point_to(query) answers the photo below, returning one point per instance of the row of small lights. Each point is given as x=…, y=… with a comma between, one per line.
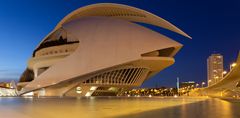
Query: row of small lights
x=203, y=83
x=152, y=90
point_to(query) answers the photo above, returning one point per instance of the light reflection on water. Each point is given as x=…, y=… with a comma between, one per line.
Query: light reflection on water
x=119, y=107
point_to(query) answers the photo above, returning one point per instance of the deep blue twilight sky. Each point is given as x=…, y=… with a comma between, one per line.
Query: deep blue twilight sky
x=213, y=24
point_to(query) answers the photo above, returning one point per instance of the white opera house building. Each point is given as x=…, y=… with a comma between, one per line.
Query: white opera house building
x=98, y=50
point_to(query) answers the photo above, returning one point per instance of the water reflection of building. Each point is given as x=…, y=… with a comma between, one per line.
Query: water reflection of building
x=99, y=50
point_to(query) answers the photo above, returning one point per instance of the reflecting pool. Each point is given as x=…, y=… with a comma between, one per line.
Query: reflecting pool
x=119, y=107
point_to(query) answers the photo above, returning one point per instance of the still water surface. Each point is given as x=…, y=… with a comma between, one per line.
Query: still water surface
x=119, y=107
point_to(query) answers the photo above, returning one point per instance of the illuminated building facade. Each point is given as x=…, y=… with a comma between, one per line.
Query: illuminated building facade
x=214, y=68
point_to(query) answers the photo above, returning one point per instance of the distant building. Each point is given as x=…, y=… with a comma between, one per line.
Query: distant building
x=187, y=84
x=214, y=68
x=4, y=85
x=8, y=89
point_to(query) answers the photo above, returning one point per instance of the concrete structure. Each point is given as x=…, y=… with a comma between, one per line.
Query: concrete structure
x=229, y=86
x=214, y=68
x=99, y=50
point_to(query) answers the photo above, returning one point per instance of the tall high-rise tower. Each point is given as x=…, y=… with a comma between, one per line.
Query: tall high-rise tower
x=215, y=68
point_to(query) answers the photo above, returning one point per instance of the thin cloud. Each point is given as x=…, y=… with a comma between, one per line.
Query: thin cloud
x=3, y=70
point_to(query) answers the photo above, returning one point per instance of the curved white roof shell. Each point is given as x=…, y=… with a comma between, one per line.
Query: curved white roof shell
x=121, y=12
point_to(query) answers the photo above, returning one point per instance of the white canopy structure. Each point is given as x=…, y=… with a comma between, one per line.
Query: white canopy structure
x=99, y=50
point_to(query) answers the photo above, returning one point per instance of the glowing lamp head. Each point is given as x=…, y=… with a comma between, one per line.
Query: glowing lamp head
x=233, y=64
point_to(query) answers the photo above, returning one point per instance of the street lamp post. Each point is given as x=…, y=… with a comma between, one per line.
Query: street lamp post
x=209, y=81
x=233, y=65
x=197, y=85
x=203, y=84
x=192, y=86
x=224, y=73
